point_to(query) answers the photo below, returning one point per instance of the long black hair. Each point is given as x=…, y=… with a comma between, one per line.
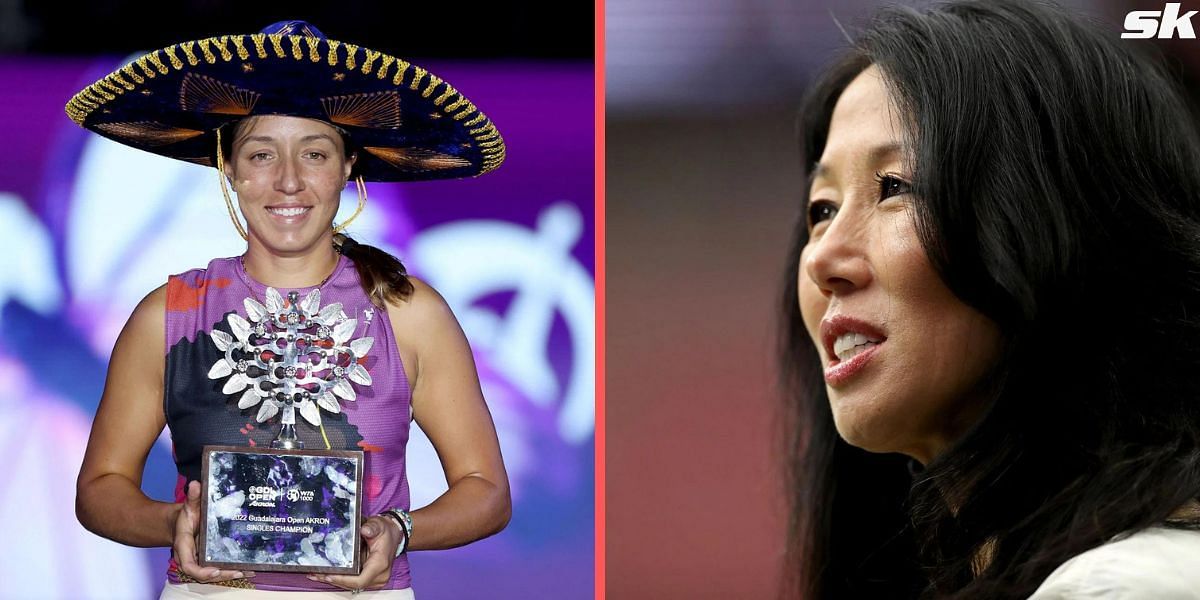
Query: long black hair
x=382, y=276
x=1057, y=185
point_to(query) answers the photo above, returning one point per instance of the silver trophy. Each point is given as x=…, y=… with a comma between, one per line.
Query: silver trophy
x=286, y=508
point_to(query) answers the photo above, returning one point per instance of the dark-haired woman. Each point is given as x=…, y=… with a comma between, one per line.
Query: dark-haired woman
x=993, y=316
x=333, y=336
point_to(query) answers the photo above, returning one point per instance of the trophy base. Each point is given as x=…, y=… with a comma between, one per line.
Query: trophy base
x=281, y=509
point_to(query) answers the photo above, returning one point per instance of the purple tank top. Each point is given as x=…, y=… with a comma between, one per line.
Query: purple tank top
x=200, y=301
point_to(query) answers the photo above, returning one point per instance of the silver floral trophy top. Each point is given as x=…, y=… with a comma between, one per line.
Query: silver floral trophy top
x=291, y=356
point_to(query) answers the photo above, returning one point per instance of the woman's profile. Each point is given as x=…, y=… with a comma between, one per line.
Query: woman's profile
x=992, y=315
x=308, y=327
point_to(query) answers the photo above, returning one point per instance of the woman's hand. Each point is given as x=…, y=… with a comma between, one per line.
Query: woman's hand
x=184, y=548
x=382, y=535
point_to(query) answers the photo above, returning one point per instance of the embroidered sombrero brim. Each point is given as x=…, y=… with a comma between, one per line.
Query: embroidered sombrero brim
x=407, y=123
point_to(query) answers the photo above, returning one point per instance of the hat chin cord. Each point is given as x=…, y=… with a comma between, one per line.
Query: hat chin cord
x=358, y=181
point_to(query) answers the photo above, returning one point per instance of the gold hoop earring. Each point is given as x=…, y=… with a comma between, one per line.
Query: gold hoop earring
x=225, y=189
x=362, y=201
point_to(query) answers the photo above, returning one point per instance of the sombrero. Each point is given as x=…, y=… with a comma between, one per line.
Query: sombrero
x=407, y=123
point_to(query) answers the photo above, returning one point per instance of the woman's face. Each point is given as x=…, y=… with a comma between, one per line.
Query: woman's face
x=903, y=357
x=288, y=173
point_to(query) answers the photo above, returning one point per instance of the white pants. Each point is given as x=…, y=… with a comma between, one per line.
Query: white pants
x=207, y=591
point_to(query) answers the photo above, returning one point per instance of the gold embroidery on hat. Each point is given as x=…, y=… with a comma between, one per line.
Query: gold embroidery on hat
x=490, y=144
x=175, y=62
x=333, y=46
x=401, y=68
x=417, y=159
x=387, y=62
x=465, y=112
x=147, y=71
x=490, y=164
x=351, y=50
x=222, y=45
x=372, y=56
x=117, y=78
x=78, y=107
x=376, y=109
x=82, y=104
x=277, y=45
x=312, y=48
x=189, y=51
x=239, y=43
x=128, y=70
x=434, y=81
x=158, y=63
x=440, y=100
x=297, y=53
x=149, y=133
x=205, y=94
x=151, y=58
x=418, y=73
x=116, y=89
x=209, y=57
x=100, y=93
x=258, y=39
x=453, y=106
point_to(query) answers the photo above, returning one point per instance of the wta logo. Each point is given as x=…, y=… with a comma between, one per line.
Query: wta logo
x=1166, y=23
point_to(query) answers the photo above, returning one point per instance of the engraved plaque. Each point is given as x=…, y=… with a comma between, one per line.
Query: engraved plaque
x=281, y=510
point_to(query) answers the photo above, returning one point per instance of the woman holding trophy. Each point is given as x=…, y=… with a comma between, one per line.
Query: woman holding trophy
x=309, y=343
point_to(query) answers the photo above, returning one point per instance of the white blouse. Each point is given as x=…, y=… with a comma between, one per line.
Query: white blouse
x=1153, y=564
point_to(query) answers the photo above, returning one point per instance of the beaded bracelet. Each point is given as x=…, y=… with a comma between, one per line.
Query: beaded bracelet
x=405, y=521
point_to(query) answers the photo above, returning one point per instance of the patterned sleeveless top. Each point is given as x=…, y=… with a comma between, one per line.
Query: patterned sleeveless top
x=201, y=304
